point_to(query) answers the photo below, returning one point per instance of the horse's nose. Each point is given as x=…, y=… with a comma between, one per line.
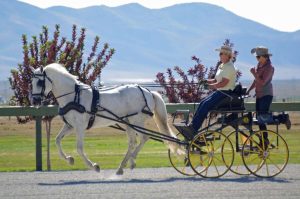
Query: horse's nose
x=36, y=100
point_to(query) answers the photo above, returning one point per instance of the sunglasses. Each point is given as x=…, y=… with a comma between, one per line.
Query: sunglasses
x=258, y=57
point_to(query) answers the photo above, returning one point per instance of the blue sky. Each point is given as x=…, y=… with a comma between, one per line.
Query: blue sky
x=279, y=14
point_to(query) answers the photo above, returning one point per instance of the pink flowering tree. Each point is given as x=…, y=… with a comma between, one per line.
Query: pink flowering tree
x=189, y=86
x=43, y=50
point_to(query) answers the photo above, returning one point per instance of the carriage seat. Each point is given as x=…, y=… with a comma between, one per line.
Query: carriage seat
x=234, y=102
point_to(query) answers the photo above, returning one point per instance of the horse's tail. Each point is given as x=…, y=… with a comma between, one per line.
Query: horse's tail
x=161, y=119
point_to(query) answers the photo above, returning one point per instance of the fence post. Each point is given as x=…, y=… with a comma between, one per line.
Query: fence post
x=38, y=134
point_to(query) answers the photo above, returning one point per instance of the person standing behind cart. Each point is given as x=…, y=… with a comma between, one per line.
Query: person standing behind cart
x=263, y=75
x=223, y=84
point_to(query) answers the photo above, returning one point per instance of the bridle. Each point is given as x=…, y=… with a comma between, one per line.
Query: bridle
x=41, y=83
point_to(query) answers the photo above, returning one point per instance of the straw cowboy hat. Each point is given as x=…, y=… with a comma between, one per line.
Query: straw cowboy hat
x=260, y=51
x=225, y=49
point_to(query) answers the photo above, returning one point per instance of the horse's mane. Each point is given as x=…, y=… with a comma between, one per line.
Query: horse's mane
x=58, y=68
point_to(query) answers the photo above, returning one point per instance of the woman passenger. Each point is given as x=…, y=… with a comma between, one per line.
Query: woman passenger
x=223, y=84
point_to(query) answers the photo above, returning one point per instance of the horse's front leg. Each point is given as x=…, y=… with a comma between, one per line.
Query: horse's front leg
x=131, y=144
x=143, y=140
x=66, y=130
x=89, y=163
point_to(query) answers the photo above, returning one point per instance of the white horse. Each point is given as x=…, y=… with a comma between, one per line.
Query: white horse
x=122, y=101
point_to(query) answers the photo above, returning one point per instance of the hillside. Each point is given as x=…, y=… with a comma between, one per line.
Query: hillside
x=148, y=41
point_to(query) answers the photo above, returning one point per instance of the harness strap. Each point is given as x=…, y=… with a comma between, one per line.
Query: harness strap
x=95, y=100
x=75, y=105
x=115, y=115
x=117, y=126
x=77, y=93
x=94, y=109
x=145, y=111
x=71, y=106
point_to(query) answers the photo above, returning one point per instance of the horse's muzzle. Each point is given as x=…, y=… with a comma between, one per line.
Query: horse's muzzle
x=36, y=100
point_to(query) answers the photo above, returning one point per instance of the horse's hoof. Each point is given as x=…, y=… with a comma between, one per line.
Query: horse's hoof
x=70, y=160
x=120, y=172
x=96, y=167
x=132, y=165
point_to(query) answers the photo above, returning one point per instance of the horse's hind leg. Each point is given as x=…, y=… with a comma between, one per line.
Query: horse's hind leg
x=66, y=130
x=131, y=144
x=89, y=163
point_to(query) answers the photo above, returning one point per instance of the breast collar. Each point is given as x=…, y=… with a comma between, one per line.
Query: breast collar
x=75, y=105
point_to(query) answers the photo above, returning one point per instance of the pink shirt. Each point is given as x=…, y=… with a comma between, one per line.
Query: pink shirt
x=264, y=86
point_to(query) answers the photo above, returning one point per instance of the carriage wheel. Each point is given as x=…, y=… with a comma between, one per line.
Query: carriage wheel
x=238, y=165
x=262, y=159
x=181, y=162
x=211, y=154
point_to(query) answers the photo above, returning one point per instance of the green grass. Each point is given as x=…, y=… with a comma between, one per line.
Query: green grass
x=18, y=153
x=104, y=146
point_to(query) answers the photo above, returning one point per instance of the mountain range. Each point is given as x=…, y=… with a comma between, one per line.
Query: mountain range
x=148, y=41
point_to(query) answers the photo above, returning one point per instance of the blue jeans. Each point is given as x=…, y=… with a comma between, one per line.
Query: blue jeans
x=262, y=107
x=206, y=105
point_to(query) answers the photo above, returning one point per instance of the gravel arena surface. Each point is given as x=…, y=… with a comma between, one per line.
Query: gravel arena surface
x=146, y=183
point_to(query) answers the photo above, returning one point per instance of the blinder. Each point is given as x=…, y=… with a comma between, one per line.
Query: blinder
x=40, y=83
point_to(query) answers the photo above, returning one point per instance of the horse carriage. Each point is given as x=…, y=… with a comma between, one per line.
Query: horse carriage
x=214, y=151
x=210, y=153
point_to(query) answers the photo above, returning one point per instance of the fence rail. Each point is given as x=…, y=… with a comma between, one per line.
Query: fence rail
x=39, y=112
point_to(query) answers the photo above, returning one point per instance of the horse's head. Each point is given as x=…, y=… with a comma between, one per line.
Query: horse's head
x=41, y=85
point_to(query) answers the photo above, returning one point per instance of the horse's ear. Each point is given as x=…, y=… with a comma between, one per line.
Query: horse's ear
x=42, y=69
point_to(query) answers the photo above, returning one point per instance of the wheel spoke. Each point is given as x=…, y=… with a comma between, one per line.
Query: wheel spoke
x=236, y=168
x=251, y=152
x=206, y=143
x=215, y=167
x=194, y=144
x=206, y=170
x=255, y=158
x=215, y=148
x=186, y=162
x=274, y=164
x=259, y=166
x=215, y=157
x=257, y=144
x=183, y=169
x=201, y=162
x=268, y=173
